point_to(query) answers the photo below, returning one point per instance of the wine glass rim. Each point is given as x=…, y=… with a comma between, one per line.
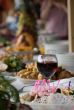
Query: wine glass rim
x=50, y=55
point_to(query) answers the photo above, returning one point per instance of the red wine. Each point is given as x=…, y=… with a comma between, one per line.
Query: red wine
x=48, y=68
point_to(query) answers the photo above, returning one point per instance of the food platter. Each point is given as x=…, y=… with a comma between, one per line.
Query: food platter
x=24, y=81
x=37, y=106
x=52, y=106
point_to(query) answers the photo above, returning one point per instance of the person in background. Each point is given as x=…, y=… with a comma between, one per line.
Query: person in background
x=17, y=3
x=26, y=33
x=12, y=21
x=53, y=17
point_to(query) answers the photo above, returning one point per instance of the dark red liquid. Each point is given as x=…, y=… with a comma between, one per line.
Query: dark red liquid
x=48, y=68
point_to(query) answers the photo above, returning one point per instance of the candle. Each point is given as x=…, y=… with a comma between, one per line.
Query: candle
x=69, y=85
x=53, y=89
x=35, y=88
x=58, y=82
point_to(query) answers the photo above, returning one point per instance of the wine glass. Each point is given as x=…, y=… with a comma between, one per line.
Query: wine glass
x=47, y=65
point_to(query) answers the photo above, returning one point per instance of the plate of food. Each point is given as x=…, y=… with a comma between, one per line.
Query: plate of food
x=31, y=73
x=14, y=63
x=48, y=94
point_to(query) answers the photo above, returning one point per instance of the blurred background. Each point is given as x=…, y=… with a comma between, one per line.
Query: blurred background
x=33, y=24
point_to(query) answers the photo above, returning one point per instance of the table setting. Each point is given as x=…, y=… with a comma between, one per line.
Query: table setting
x=35, y=86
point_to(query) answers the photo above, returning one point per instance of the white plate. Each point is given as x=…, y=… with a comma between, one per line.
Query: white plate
x=27, y=81
x=5, y=73
x=20, y=83
x=38, y=106
x=27, y=88
x=10, y=78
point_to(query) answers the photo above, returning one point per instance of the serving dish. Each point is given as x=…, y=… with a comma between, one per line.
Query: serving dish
x=61, y=101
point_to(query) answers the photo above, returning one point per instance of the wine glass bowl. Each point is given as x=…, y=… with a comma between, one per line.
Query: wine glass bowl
x=47, y=65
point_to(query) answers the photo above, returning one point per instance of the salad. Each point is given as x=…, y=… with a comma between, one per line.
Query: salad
x=14, y=64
